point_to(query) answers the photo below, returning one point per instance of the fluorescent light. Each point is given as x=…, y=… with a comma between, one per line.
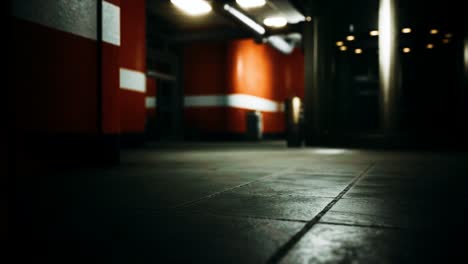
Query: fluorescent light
x=433, y=31
x=406, y=30
x=358, y=51
x=339, y=43
x=406, y=50
x=430, y=46
x=350, y=38
x=281, y=44
x=245, y=19
x=193, y=7
x=374, y=33
x=275, y=22
x=251, y=3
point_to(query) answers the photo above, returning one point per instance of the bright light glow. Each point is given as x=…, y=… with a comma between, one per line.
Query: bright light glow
x=308, y=18
x=406, y=50
x=448, y=35
x=430, y=46
x=434, y=31
x=339, y=43
x=328, y=151
x=275, y=22
x=193, y=7
x=245, y=19
x=343, y=48
x=296, y=107
x=350, y=38
x=374, y=33
x=406, y=30
x=358, y=51
x=251, y=3
x=446, y=41
x=386, y=47
x=281, y=44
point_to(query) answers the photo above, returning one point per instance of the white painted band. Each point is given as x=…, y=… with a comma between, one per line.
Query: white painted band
x=132, y=80
x=77, y=17
x=234, y=100
x=150, y=102
x=110, y=23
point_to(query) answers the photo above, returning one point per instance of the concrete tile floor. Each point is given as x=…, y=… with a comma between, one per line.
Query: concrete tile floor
x=249, y=203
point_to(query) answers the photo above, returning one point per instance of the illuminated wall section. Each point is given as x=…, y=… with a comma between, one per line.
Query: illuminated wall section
x=132, y=70
x=223, y=81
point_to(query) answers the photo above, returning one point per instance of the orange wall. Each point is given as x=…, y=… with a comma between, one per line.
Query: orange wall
x=133, y=57
x=239, y=67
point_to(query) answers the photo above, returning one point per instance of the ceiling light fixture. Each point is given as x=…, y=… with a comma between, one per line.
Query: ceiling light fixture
x=308, y=18
x=343, y=48
x=245, y=19
x=251, y=3
x=374, y=33
x=276, y=22
x=448, y=35
x=194, y=7
x=430, y=46
x=350, y=38
x=446, y=41
x=434, y=31
x=339, y=43
x=406, y=50
x=406, y=30
x=358, y=51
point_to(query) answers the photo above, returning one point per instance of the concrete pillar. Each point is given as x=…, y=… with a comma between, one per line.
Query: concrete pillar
x=389, y=68
x=317, y=67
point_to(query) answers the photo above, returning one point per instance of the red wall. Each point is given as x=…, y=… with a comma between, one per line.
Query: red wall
x=239, y=67
x=133, y=57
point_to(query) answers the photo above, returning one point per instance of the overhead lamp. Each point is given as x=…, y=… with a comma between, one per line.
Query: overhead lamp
x=193, y=7
x=434, y=31
x=245, y=19
x=446, y=41
x=276, y=22
x=339, y=43
x=308, y=18
x=358, y=51
x=251, y=3
x=430, y=46
x=406, y=30
x=374, y=33
x=343, y=48
x=406, y=50
x=448, y=35
x=350, y=38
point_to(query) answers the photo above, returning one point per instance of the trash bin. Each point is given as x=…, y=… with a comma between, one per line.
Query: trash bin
x=293, y=111
x=254, y=125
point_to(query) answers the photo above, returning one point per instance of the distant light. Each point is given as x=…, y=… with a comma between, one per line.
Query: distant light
x=434, y=31
x=276, y=22
x=251, y=3
x=350, y=38
x=245, y=19
x=448, y=35
x=296, y=107
x=308, y=18
x=194, y=7
x=446, y=41
x=339, y=43
x=406, y=30
x=406, y=50
x=430, y=46
x=343, y=48
x=327, y=151
x=374, y=33
x=358, y=51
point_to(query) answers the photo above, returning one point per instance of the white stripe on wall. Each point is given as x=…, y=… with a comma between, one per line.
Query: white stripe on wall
x=77, y=17
x=150, y=102
x=234, y=100
x=110, y=23
x=132, y=80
